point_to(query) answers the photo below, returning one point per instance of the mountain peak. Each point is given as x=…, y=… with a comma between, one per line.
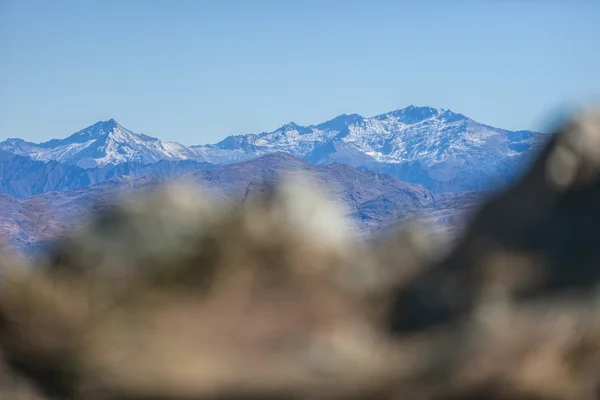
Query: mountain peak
x=103, y=143
x=451, y=116
x=413, y=109
x=112, y=122
x=412, y=114
x=292, y=126
x=345, y=118
x=341, y=123
x=100, y=128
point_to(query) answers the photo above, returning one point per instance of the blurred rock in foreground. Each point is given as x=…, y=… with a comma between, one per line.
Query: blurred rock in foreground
x=172, y=295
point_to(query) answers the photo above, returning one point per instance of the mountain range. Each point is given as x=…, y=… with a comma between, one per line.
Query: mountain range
x=439, y=149
x=421, y=163
x=21, y=176
x=101, y=144
x=373, y=201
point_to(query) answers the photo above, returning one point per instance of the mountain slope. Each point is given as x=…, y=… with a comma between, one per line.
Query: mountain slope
x=29, y=221
x=344, y=183
x=440, y=149
x=22, y=177
x=101, y=144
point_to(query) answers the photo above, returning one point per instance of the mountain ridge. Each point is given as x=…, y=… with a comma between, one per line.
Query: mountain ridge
x=438, y=148
x=101, y=144
x=22, y=177
x=44, y=217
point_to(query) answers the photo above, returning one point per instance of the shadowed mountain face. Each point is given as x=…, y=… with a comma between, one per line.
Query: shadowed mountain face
x=439, y=149
x=372, y=200
x=23, y=177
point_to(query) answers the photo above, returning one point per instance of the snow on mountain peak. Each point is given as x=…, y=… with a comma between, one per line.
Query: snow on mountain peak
x=103, y=143
x=412, y=114
x=100, y=128
x=419, y=144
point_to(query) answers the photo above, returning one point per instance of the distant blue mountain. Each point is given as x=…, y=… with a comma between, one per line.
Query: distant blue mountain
x=439, y=149
x=371, y=200
x=104, y=143
x=23, y=177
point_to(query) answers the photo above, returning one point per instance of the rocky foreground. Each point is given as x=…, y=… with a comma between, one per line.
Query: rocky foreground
x=172, y=296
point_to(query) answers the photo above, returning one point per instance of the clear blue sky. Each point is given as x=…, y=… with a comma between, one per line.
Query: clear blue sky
x=197, y=71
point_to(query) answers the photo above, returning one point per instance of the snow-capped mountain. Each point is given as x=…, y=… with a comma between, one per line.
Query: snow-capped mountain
x=440, y=149
x=102, y=144
x=422, y=134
